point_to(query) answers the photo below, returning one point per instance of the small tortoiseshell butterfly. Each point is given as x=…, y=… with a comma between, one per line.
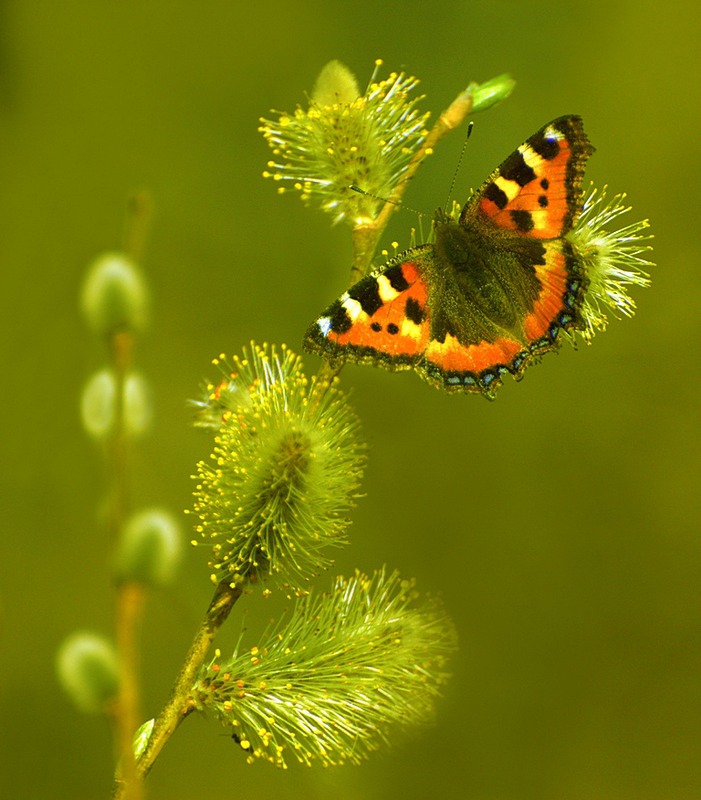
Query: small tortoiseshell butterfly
x=493, y=291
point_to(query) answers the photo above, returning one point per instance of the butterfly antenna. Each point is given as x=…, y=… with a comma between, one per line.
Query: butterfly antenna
x=397, y=203
x=420, y=214
x=459, y=164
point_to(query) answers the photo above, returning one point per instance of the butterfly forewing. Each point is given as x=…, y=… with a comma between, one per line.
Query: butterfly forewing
x=383, y=317
x=536, y=190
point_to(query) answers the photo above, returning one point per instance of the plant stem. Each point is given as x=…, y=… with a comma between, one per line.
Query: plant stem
x=130, y=600
x=180, y=703
x=365, y=237
x=128, y=603
x=138, y=221
x=130, y=597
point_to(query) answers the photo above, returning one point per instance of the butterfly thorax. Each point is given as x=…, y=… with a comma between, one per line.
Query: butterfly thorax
x=479, y=281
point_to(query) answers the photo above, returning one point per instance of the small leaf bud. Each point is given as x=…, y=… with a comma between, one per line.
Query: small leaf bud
x=488, y=94
x=335, y=84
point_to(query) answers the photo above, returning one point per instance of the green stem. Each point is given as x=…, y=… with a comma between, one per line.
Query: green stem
x=127, y=604
x=129, y=599
x=139, y=214
x=180, y=704
x=365, y=237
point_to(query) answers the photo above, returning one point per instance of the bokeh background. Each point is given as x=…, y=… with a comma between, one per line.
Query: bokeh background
x=560, y=524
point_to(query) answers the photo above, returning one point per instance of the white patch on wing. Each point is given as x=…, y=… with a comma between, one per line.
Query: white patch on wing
x=385, y=289
x=532, y=159
x=554, y=135
x=353, y=308
x=510, y=188
x=324, y=324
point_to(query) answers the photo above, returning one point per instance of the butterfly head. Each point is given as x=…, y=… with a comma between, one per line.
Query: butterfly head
x=441, y=217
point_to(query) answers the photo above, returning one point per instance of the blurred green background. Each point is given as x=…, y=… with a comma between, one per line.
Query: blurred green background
x=560, y=523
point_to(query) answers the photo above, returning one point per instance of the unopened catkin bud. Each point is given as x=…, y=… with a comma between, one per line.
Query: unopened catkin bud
x=114, y=297
x=149, y=548
x=98, y=405
x=86, y=664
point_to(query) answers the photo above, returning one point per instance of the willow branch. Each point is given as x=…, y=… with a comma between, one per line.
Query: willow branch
x=129, y=599
x=180, y=705
x=366, y=236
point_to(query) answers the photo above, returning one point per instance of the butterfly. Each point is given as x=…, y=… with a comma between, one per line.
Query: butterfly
x=493, y=291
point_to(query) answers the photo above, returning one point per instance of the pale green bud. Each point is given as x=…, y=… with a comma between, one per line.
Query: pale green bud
x=150, y=548
x=488, y=94
x=142, y=737
x=335, y=84
x=114, y=296
x=99, y=400
x=86, y=664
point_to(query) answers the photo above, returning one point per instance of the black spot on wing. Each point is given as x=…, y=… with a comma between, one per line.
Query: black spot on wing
x=545, y=146
x=414, y=312
x=523, y=220
x=543, y=201
x=340, y=321
x=392, y=328
x=367, y=293
x=496, y=195
x=515, y=169
x=395, y=276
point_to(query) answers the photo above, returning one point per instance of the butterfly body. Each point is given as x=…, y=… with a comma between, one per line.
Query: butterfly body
x=493, y=290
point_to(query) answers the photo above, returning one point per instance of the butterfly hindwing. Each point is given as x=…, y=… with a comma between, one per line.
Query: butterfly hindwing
x=478, y=364
x=562, y=285
x=536, y=190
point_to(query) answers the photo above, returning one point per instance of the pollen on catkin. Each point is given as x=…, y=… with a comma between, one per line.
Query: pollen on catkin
x=284, y=472
x=330, y=682
x=346, y=139
x=613, y=260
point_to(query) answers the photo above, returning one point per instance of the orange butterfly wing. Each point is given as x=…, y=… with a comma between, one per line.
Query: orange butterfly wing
x=536, y=191
x=382, y=318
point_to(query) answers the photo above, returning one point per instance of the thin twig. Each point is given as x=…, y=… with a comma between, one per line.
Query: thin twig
x=179, y=704
x=129, y=598
x=365, y=237
x=137, y=224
